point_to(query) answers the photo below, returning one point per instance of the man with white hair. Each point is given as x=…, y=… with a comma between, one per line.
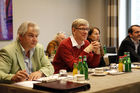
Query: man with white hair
x=53, y=45
x=76, y=45
x=24, y=59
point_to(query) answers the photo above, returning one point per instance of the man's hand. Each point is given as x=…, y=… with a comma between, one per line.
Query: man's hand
x=20, y=76
x=35, y=75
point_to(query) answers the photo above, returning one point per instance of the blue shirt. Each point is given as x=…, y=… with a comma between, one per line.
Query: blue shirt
x=27, y=60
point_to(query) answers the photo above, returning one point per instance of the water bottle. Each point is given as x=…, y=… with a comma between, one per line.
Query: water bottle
x=85, y=67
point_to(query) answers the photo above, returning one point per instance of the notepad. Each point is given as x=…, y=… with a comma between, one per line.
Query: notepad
x=62, y=86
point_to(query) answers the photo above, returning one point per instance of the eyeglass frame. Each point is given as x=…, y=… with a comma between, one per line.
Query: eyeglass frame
x=83, y=29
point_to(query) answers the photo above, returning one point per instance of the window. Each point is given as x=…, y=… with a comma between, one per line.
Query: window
x=135, y=13
x=122, y=20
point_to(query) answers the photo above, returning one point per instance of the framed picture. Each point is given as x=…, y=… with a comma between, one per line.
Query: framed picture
x=6, y=20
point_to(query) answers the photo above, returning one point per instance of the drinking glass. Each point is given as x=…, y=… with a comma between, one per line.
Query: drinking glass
x=113, y=66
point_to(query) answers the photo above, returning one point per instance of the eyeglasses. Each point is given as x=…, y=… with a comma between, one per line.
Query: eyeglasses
x=83, y=29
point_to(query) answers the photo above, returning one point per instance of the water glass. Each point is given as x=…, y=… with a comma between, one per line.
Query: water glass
x=113, y=66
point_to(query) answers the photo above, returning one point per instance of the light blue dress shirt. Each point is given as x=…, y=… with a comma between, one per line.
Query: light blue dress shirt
x=27, y=60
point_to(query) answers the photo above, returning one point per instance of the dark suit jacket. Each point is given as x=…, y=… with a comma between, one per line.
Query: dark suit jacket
x=128, y=46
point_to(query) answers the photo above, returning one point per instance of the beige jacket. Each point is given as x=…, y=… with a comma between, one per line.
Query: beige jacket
x=11, y=61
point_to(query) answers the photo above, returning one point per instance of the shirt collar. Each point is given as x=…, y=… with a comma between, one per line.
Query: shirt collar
x=31, y=51
x=135, y=41
x=74, y=43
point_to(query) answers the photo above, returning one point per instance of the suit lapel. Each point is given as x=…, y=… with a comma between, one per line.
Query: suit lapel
x=139, y=49
x=20, y=57
x=132, y=43
x=33, y=63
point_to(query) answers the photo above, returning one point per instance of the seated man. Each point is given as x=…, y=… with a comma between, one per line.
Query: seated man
x=53, y=45
x=131, y=44
x=71, y=48
x=24, y=59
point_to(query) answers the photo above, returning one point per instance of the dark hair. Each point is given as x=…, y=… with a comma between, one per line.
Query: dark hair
x=92, y=29
x=90, y=32
x=130, y=30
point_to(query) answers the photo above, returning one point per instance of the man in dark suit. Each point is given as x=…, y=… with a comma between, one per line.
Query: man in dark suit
x=131, y=44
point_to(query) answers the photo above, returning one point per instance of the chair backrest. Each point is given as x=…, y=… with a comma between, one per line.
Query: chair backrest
x=113, y=58
x=111, y=49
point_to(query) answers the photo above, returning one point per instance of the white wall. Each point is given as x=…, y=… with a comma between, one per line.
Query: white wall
x=56, y=15
x=97, y=17
x=51, y=15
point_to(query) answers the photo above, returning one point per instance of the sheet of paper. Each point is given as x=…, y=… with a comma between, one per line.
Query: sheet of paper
x=43, y=79
x=30, y=83
x=27, y=83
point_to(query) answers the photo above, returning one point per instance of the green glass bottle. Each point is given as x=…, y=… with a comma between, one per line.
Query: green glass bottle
x=129, y=62
x=55, y=49
x=125, y=63
x=105, y=50
x=85, y=67
x=80, y=65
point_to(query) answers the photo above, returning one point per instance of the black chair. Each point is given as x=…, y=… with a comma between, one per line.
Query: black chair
x=111, y=49
x=112, y=58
